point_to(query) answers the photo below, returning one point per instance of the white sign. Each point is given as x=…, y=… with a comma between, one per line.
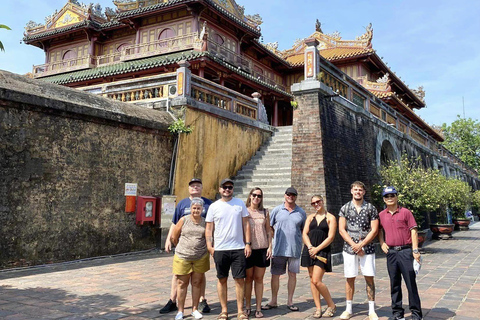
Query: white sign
x=131, y=189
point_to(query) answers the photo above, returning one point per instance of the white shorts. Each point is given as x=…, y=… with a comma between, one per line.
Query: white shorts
x=352, y=261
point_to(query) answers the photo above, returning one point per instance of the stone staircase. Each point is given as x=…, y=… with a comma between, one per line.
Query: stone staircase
x=269, y=169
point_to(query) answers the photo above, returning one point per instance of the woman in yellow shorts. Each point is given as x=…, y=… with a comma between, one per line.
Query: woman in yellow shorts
x=191, y=258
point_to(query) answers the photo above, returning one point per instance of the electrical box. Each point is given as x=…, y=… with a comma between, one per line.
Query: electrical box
x=147, y=209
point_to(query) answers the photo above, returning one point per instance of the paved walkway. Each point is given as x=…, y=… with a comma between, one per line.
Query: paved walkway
x=136, y=286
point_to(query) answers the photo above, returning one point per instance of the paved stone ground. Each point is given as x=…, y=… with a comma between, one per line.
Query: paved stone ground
x=136, y=286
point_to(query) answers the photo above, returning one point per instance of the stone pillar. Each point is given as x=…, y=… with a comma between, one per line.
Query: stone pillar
x=312, y=59
x=261, y=112
x=183, y=79
x=308, y=167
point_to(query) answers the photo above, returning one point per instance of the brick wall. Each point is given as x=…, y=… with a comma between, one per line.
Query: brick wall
x=64, y=159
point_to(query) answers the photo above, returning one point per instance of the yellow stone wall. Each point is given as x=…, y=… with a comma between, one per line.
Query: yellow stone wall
x=216, y=149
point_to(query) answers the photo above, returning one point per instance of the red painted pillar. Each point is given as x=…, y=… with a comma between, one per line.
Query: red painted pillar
x=275, y=114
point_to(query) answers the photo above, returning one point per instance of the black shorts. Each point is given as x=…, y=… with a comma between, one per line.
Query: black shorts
x=230, y=258
x=258, y=258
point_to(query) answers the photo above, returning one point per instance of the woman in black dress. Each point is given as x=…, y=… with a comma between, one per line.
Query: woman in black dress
x=318, y=234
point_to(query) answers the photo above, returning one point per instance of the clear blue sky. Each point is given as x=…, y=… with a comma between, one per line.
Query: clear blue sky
x=430, y=43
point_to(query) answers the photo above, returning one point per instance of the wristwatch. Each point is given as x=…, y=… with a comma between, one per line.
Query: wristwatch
x=415, y=250
x=249, y=243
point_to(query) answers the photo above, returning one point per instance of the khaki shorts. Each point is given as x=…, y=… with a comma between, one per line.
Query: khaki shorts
x=183, y=267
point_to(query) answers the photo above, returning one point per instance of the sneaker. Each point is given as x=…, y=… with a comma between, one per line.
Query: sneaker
x=179, y=316
x=373, y=316
x=203, y=306
x=169, y=307
x=197, y=315
x=345, y=315
x=396, y=318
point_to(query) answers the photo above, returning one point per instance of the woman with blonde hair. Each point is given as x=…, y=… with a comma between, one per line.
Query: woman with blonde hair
x=259, y=220
x=191, y=258
x=318, y=234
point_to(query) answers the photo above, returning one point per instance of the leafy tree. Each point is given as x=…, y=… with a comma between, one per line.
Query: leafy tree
x=462, y=138
x=2, y=26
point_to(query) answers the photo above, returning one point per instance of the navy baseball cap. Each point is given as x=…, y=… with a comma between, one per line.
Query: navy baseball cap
x=226, y=181
x=291, y=190
x=195, y=180
x=389, y=190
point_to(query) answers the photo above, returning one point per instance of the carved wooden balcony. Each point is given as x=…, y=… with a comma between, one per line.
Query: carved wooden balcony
x=63, y=66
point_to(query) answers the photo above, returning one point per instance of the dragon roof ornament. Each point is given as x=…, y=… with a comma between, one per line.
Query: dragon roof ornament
x=420, y=93
x=368, y=35
x=73, y=12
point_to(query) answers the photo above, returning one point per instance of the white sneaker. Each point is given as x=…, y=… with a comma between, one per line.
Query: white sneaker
x=372, y=316
x=345, y=315
x=179, y=316
x=197, y=315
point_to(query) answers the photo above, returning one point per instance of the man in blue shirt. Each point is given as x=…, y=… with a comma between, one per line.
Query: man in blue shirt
x=287, y=221
x=183, y=208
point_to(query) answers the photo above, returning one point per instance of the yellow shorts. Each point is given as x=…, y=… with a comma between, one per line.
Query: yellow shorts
x=184, y=267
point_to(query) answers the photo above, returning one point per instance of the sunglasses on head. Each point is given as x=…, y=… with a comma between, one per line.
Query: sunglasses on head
x=227, y=187
x=316, y=203
x=391, y=195
x=256, y=195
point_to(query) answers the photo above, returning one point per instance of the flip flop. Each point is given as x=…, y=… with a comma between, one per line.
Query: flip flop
x=268, y=307
x=222, y=316
x=293, y=307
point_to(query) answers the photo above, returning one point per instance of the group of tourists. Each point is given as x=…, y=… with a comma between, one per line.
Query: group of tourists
x=244, y=238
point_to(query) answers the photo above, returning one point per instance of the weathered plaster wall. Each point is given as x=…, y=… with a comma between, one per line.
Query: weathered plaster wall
x=216, y=149
x=64, y=158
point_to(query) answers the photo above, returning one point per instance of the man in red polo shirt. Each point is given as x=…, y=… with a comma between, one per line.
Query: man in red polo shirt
x=399, y=240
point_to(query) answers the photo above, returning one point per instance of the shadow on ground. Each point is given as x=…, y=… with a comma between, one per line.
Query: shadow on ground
x=42, y=303
x=79, y=264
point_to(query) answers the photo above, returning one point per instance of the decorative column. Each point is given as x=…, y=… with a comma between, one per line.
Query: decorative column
x=183, y=79
x=261, y=112
x=312, y=59
x=308, y=165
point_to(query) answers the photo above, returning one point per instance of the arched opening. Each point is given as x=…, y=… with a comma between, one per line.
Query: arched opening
x=119, y=50
x=69, y=58
x=387, y=153
x=164, y=36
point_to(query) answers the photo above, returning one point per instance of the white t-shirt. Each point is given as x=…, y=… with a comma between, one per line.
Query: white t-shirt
x=227, y=219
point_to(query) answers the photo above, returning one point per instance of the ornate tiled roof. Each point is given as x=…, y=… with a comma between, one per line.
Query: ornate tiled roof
x=149, y=63
x=332, y=54
x=75, y=16
x=123, y=67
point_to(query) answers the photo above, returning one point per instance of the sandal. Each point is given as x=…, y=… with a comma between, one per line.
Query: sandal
x=330, y=312
x=242, y=316
x=268, y=307
x=293, y=307
x=248, y=311
x=222, y=316
x=258, y=314
x=317, y=314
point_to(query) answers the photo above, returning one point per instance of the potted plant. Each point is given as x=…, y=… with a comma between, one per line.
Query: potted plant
x=458, y=196
x=416, y=189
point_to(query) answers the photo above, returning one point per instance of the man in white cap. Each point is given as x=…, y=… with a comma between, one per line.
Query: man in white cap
x=399, y=240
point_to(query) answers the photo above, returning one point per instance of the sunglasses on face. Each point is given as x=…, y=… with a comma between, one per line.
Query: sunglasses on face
x=227, y=187
x=291, y=194
x=256, y=195
x=391, y=195
x=316, y=203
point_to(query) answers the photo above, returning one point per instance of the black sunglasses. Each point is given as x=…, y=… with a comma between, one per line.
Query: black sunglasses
x=316, y=203
x=227, y=187
x=291, y=194
x=391, y=195
x=255, y=195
